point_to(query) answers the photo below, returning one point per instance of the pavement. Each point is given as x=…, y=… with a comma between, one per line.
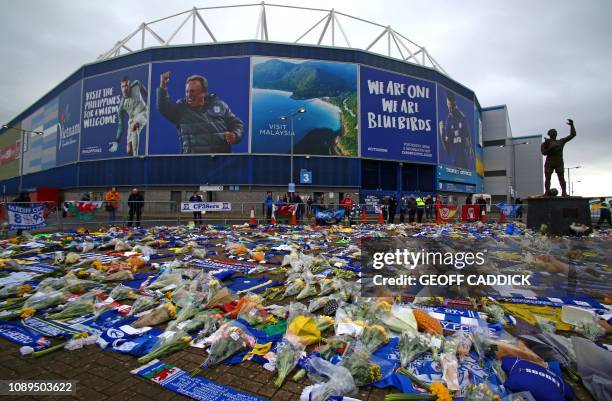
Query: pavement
x=102, y=375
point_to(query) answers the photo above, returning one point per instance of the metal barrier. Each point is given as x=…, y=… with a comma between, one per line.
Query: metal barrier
x=76, y=214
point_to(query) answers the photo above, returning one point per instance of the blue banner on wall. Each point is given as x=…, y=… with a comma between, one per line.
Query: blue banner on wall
x=200, y=103
x=398, y=117
x=456, y=130
x=69, y=125
x=115, y=114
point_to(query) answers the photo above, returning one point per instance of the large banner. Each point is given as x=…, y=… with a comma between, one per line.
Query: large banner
x=328, y=93
x=456, y=130
x=200, y=107
x=115, y=114
x=398, y=115
x=69, y=125
x=25, y=217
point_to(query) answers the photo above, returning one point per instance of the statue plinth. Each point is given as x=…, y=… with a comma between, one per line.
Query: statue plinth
x=558, y=213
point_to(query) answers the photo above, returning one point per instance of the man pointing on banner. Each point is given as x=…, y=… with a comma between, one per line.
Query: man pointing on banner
x=205, y=123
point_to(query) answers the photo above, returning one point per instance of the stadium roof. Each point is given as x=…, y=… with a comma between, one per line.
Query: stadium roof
x=323, y=27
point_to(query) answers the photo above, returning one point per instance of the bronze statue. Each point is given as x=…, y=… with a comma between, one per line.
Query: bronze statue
x=552, y=148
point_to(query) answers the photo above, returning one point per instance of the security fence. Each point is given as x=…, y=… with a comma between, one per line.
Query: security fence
x=49, y=216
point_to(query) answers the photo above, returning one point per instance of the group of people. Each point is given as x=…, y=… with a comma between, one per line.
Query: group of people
x=302, y=207
x=112, y=200
x=415, y=206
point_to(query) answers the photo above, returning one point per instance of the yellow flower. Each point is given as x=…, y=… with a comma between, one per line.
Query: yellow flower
x=27, y=312
x=382, y=331
x=384, y=305
x=24, y=289
x=439, y=390
x=171, y=310
x=169, y=295
x=375, y=373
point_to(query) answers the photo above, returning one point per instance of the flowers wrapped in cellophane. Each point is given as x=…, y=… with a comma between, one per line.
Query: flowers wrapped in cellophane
x=362, y=368
x=228, y=340
x=159, y=315
x=167, y=344
x=479, y=392
x=411, y=345
x=81, y=306
x=142, y=304
x=288, y=353
x=339, y=382
x=373, y=337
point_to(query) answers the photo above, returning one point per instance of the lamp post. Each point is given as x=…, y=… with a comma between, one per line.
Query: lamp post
x=21, y=150
x=512, y=145
x=569, y=180
x=291, y=117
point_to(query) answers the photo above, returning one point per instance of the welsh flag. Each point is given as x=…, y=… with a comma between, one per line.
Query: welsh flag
x=84, y=210
x=446, y=212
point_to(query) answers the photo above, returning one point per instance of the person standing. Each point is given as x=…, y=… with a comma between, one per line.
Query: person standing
x=299, y=207
x=347, y=204
x=604, y=213
x=197, y=215
x=412, y=208
x=392, y=209
x=112, y=199
x=309, y=206
x=268, y=202
x=429, y=207
x=468, y=199
x=483, y=205
x=519, y=208
x=420, y=208
x=403, y=207
x=135, y=204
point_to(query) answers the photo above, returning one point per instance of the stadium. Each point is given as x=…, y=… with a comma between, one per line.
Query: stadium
x=363, y=122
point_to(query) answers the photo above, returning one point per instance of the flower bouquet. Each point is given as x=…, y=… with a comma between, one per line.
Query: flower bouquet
x=400, y=319
x=327, y=286
x=79, y=307
x=449, y=363
x=159, y=315
x=411, y=345
x=43, y=299
x=317, y=303
x=121, y=292
x=479, y=392
x=288, y=353
x=309, y=290
x=373, y=337
x=340, y=381
x=228, y=340
x=363, y=370
x=142, y=304
x=167, y=345
x=184, y=313
x=435, y=345
x=294, y=288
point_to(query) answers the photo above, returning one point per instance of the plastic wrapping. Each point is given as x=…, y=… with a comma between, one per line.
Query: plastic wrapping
x=228, y=340
x=340, y=381
x=411, y=345
x=288, y=353
x=121, y=292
